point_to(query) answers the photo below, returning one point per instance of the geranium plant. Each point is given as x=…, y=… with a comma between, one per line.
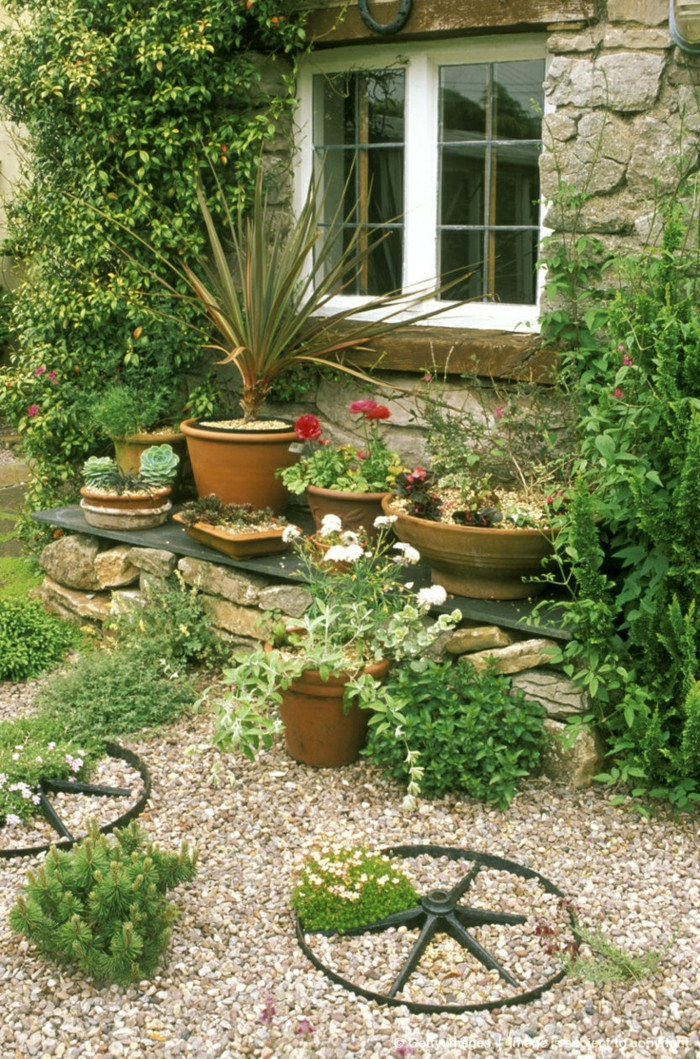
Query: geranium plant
x=362, y=610
x=372, y=468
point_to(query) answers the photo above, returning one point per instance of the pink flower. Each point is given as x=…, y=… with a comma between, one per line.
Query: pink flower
x=418, y=474
x=627, y=360
x=618, y=393
x=53, y=376
x=361, y=454
x=499, y=411
x=308, y=428
x=427, y=377
x=40, y=371
x=33, y=410
x=380, y=411
x=357, y=407
x=304, y=1029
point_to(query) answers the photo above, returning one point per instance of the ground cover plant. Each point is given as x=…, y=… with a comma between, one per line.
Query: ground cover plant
x=123, y=107
x=101, y=905
x=31, y=640
x=470, y=732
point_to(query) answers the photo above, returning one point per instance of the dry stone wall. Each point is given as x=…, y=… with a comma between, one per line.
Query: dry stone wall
x=89, y=579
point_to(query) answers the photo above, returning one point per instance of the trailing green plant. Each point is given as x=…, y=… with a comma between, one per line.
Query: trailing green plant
x=115, y=693
x=339, y=889
x=31, y=640
x=121, y=106
x=34, y=746
x=592, y=957
x=101, y=906
x=472, y=731
x=631, y=546
x=171, y=627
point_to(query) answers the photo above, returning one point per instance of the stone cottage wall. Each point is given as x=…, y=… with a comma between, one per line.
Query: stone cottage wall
x=88, y=580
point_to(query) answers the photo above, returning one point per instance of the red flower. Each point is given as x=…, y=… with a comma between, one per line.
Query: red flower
x=33, y=410
x=379, y=411
x=308, y=428
x=357, y=407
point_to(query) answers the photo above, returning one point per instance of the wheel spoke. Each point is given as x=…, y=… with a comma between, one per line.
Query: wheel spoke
x=76, y=787
x=53, y=818
x=476, y=917
x=412, y=917
x=455, y=929
x=426, y=934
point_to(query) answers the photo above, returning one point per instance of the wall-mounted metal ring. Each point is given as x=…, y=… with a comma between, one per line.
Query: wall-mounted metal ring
x=396, y=23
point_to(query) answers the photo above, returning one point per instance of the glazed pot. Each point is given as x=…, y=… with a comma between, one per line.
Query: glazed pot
x=239, y=466
x=355, y=510
x=474, y=561
x=317, y=729
x=128, y=511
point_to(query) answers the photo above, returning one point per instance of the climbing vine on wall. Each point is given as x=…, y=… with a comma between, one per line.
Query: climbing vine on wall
x=121, y=105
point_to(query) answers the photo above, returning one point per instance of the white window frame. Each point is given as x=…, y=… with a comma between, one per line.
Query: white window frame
x=421, y=62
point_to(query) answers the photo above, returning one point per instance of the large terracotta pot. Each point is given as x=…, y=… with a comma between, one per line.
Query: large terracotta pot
x=128, y=511
x=355, y=510
x=317, y=730
x=239, y=466
x=476, y=562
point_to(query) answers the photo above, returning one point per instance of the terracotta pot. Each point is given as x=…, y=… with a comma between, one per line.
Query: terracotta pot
x=129, y=449
x=480, y=563
x=240, y=545
x=128, y=511
x=355, y=510
x=239, y=466
x=317, y=730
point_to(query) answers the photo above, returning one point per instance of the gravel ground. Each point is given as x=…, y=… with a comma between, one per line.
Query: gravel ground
x=236, y=983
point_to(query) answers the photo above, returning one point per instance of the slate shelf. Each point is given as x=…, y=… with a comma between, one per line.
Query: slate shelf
x=509, y=614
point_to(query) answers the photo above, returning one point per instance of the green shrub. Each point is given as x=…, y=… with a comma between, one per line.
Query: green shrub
x=101, y=906
x=35, y=746
x=30, y=639
x=173, y=626
x=114, y=693
x=345, y=888
x=472, y=731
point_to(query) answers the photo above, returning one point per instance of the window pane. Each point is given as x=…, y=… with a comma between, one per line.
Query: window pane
x=513, y=259
x=359, y=149
x=517, y=179
x=462, y=185
x=463, y=98
x=490, y=133
x=516, y=86
x=462, y=255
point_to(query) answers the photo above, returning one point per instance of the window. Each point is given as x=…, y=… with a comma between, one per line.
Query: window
x=440, y=144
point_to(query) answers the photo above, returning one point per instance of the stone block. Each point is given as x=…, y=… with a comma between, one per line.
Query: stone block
x=515, y=658
x=574, y=765
x=153, y=560
x=558, y=694
x=643, y=12
x=87, y=606
x=289, y=599
x=222, y=581
x=240, y=621
x=625, y=81
x=70, y=561
x=114, y=569
x=478, y=639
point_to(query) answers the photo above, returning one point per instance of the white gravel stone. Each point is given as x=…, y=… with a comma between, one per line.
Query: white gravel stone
x=234, y=953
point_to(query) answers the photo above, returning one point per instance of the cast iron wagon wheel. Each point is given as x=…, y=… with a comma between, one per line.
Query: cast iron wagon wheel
x=442, y=911
x=47, y=786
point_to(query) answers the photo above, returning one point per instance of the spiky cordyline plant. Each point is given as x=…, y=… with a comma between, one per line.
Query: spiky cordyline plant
x=267, y=298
